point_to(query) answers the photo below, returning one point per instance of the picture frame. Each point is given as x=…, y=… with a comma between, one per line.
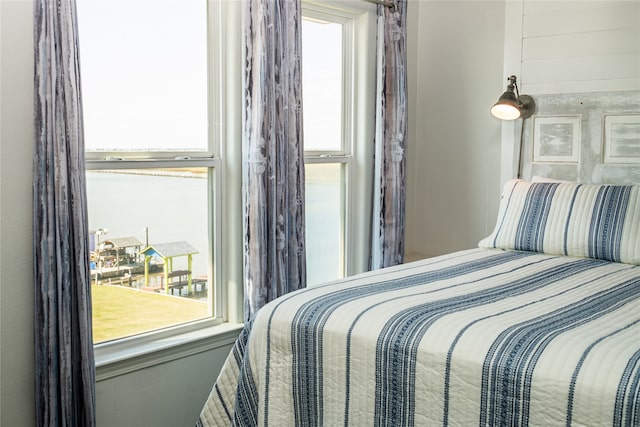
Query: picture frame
x=556, y=139
x=621, y=139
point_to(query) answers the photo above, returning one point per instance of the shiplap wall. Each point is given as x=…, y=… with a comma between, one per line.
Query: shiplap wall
x=563, y=47
x=580, y=46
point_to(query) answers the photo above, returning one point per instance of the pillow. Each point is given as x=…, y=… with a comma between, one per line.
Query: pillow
x=584, y=220
x=537, y=178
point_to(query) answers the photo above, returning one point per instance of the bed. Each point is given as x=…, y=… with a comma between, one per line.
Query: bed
x=539, y=325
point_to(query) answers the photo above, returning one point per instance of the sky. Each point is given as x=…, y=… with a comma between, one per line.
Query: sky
x=143, y=71
x=144, y=76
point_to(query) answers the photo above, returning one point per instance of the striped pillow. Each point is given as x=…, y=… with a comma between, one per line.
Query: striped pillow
x=584, y=220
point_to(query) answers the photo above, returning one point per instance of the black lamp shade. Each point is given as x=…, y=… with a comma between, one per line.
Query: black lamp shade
x=512, y=105
x=507, y=107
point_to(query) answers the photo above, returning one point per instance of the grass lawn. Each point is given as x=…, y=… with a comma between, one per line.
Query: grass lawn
x=120, y=311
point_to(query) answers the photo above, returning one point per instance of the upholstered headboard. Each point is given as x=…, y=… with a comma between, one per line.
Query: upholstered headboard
x=584, y=137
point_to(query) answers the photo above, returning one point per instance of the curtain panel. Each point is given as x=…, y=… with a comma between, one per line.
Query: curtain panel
x=273, y=175
x=387, y=235
x=65, y=372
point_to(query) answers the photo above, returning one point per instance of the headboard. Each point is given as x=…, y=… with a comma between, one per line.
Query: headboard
x=584, y=137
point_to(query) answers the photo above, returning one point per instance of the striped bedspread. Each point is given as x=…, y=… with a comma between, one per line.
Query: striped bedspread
x=478, y=337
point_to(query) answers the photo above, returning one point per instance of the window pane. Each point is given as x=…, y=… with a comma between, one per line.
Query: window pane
x=324, y=218
x=160, y=213
x=322, y=85
x=144, y=74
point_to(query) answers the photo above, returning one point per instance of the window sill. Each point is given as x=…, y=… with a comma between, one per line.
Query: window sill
x=131, y=354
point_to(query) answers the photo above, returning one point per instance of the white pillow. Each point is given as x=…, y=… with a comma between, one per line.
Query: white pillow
x=584, y=220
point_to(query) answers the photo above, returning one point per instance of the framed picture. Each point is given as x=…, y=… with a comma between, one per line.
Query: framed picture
x=622, y=138
x=556, y=139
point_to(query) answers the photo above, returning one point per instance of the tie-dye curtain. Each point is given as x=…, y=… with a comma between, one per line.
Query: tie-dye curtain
x=65, y=372
x=387, y=235
x=273, y=186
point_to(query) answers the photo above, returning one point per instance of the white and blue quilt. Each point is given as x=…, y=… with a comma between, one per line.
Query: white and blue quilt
x=480, y=337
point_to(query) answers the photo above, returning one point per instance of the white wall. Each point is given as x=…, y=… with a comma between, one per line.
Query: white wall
x=16, y=142
x=170, y=394
x=584, y=46
x=454, y=165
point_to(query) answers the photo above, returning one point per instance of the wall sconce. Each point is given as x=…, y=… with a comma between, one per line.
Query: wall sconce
x=512, y=105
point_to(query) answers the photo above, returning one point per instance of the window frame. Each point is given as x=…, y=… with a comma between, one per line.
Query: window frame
x=135, y=352
x=110, y=159
x=358, y=104
x=226, y=103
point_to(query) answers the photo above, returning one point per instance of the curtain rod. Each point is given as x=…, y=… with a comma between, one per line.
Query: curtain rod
x=389, y=4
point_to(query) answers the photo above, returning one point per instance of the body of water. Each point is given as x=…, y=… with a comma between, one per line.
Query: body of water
x=173, y=207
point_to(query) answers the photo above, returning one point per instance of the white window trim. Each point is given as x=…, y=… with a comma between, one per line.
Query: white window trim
x=137, y=352
x=142, y=351
x=323, y=13
x=359, y=83
x=226, y=49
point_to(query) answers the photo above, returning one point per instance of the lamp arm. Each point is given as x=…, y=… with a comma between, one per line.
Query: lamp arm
x=512, y=81
x=526, y=103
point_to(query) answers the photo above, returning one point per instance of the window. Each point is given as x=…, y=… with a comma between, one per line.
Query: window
x=324, y=67
x=164, y=163
x=338, y=110
x=323, y=109
x=151, y=169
